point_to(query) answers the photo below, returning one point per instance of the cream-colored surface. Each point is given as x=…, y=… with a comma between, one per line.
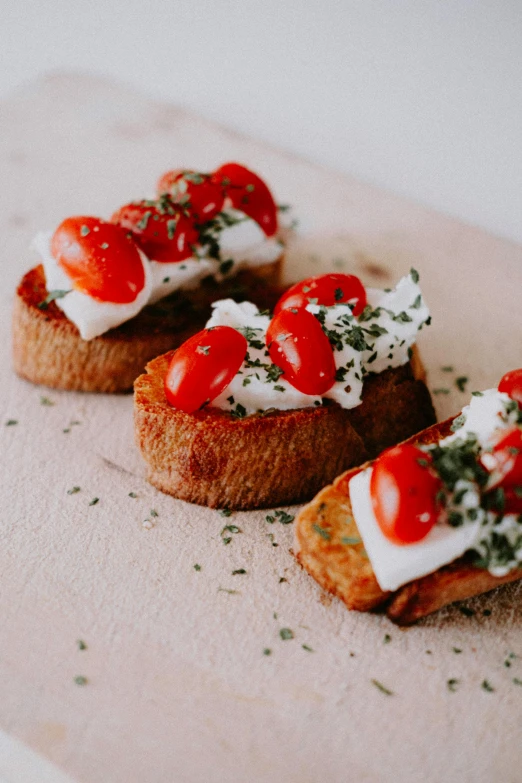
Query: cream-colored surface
x=178, y=686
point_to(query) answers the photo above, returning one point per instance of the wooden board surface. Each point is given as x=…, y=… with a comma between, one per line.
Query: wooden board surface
x=178, y=686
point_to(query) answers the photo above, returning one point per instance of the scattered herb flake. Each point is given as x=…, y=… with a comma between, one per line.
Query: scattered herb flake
x=11, y=422
x=307, y=648
x=387, y=638
x=466, y=611
x=267, y=651
x=461, y=382
x=486, y=686
x=414, y=275
x=81, y=680
x=382, y=688
x=73, y=490
x=440, y=391
x=452, y=684
x=197, y=567
x=238, y=571
x=447, y=368
x=286, y=633
x=322, y=532
x=94, y=501
x=46, y=401
x=226, y=590
x=81, y=644
x=224, y=512
x=132, y=495
x=153, y=512
x=456, y=650
x=517, y=681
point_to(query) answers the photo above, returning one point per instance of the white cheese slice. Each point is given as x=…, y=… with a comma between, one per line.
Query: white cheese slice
x=91, y=316
x=396, y=564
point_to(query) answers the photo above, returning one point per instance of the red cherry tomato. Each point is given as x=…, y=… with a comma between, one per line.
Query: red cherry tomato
x=203, y=367
x=160, y=228
x=298, y=345
x=511, y=384
x=404, y=493
x=196, y=192
x=325, y=290
x=248, y=193
x=100, y=259
x=504, y=461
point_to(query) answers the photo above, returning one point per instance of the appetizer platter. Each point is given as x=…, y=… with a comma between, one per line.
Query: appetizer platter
x=148, y=637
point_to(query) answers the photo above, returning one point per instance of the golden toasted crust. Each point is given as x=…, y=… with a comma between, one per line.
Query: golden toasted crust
x=328, y=546
x=48, y=349
x=282, y=457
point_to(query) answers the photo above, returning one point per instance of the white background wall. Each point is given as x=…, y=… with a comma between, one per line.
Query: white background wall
x=420, y=96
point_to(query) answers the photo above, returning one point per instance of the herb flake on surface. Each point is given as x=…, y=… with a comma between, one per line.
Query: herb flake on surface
x=382, y=688
x=286, y=634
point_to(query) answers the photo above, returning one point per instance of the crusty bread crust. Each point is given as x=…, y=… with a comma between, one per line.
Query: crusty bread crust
x=48, y=349
x=280, y=457
x=329, y=547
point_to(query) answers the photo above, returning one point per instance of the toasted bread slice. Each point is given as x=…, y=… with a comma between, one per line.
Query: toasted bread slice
x=329, y=547
x=278, y=457
x=48, y=349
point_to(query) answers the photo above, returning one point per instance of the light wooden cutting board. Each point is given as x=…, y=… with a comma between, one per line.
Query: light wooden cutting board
x=179, y=687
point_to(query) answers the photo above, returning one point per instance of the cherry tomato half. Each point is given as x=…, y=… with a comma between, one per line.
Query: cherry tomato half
x=504, y=461
x=100, y=259
x=511, y=384
x=248, y=193
x=404, y=491
x=196, y=192
x=325, y=290
x=160, y=228
x=298, y=345
x=203, y=367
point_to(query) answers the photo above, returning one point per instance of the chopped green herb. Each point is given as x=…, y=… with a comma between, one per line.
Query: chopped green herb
x=338, y=294
x=81, y=680
x=73, y=490
x=286, y=633
x=239, y=411
x=46, y=401
x=461, y=382
x=307, y=648
x=452, y=684
x=226, y=590
x=477, y=394
x=282, y=579
x=204, y=349
x=382, y=688
x=414, y=275
x=280, y=516
x=440, y=391
x=447, y=368
x=166, y=280
x=226, y=266
x=197, y=567
x=517, y=681
x=350, y=540
x=51, y=297
x=387, y=638
x=81, y=644
x=85, y=230
x=456, y=650
x=267, y=651
x=466, y=611
x=11, y=422
x=486, y=686
x=154, y=513
x=132, y=495
x=238, y=571
x=94, y=501
x=417, y=303
x=322, y=532
x=279, y=388
x=225, y=512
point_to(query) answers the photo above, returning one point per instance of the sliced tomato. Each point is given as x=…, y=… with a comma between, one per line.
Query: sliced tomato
x=248, y=193
x=203, y=367
x=297, y=344
x=325, y=290
x=511, y=383
x=99, y=258
x=504, y=461
x=197, y=193
x=404, y=491
x=160, y=228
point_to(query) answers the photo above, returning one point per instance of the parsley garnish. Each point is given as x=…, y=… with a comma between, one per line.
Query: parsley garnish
x=486, y=686
x=239, y=411
x=204, y=349
x=338, y=294
x=387, y=638
x=225, y=512
x=229, y=529
x=382, y=688
x=81, y=644
x=46, y=401
x=226, y=266
x=132, y=495
x=84, y=230
x=73, y=490
x=51, y=296
x=197, y=567
x=452, y=684
x=94, y=501
x=267, y=651
x=286, y=633
x=280, y=516
x=322, y=532
x=11, y=422
x=307, y=648
x=414, y=275
x=238, y=571
x=461, y=382
x=447, y=368
x=81, y=680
